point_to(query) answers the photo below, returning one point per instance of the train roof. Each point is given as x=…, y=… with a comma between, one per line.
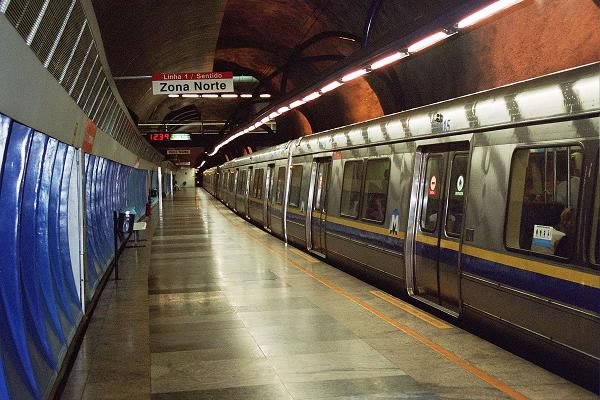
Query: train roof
x=568, y=93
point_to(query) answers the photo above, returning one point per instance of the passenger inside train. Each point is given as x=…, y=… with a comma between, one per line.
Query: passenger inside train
x=376, y=195
x=565, y=245
x=549, y=201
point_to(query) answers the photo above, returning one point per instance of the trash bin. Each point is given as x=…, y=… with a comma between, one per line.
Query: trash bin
x=125, y=222
x=153, y=192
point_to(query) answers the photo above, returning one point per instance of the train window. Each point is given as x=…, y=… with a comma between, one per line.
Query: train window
x=231, y=181
x=456, y=195
x=295, y=184
x=280, y=185
x=595, y=234
x=257, y=184
x=241, y=182
x=351, y=185
x=377, y=179
x=431, y=193
x=225, y=181
x=543, y=199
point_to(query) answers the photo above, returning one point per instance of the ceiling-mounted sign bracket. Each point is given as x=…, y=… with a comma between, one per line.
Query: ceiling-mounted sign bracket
x=192, y=82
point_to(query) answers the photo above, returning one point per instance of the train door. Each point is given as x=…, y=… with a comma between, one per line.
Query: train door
x=434, y=240
x=268, y=202
x=316, y=210
x=234, y=191
x=249, y=179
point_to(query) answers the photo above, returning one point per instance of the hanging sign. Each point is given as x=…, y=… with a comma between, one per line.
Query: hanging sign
x=178, y=151
x=192, y=82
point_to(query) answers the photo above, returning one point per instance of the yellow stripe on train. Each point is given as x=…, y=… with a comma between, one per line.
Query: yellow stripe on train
x=525, y=264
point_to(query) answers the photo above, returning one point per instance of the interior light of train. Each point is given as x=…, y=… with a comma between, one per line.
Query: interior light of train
x=296, y=103
x=246, y=95
x=427, y=42
x=190, y=95
x=312, y=96
x=210, y=96
x=173, y=95
x=382, y=62
x=229, y=95
x=354, y=74
x=486, y=12
x=265, y=95
x=273, y=114
x=282, y=110
x=202, y=163
x=330, y=86
x=265, y=120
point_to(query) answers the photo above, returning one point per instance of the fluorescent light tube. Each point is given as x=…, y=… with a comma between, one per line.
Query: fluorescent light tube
x=486, y=12
x=354, y=74
x=427, y=42
x=330, y=86
x=388, y=59
x=312, y=96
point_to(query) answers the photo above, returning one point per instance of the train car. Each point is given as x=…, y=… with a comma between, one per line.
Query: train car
x=484, y=208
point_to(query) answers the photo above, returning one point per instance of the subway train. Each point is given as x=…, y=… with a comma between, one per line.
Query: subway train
x=483, y=209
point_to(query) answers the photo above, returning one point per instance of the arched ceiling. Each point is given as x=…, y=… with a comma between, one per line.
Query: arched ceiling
x=289, y=44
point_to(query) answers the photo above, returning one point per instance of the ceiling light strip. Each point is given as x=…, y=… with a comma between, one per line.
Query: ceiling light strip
x=428, y=41
x=486, y=12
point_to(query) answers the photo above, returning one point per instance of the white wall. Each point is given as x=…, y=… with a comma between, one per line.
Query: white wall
x=187, y=175
x=30, y=95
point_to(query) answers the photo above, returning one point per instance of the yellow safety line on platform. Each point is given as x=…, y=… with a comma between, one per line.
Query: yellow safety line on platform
x=411, y=310
x=495, y=382
x=302, y=254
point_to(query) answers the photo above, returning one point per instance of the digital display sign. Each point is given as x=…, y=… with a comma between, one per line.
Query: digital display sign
x=159, y=136
x=166, y=136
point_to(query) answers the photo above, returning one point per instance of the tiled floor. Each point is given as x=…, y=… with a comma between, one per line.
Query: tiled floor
x=230, y=312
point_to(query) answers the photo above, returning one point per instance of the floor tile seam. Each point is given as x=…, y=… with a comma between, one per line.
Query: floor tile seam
x=474, y=370
x=267, y=358
x=370, y=347
x=144, y=297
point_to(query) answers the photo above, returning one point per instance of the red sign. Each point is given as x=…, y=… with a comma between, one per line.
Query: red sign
x=432, y=186
x=89, y=137
x=191, y=76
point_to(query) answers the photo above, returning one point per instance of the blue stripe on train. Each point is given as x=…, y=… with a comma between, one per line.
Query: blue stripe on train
x=558, y=289
x=447, y=256
x=564, y=291
x=376, y=239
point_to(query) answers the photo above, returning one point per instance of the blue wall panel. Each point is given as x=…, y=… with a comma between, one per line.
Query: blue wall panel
x=40, y=308
x=12, y=323
x=32, y=290
x=110, y=186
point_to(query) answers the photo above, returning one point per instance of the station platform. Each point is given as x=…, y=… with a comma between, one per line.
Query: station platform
x=216, y=308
